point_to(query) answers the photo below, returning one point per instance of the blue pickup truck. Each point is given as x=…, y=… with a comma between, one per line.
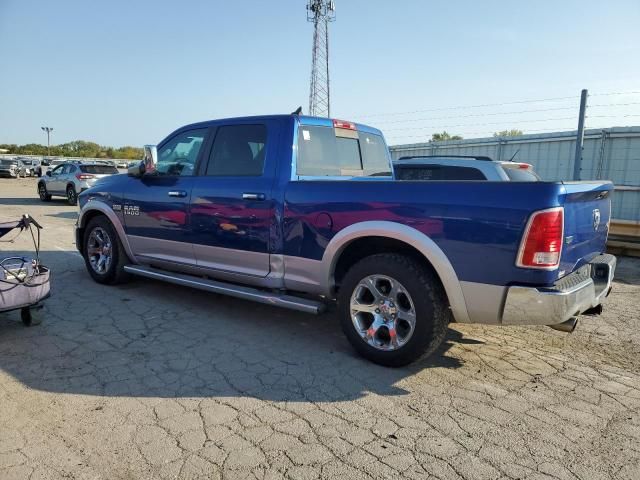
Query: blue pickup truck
x=300, y=212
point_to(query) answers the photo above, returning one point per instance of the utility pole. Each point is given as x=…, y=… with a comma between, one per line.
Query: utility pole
x=320, y=13
x=48, y=130
x=577, y=163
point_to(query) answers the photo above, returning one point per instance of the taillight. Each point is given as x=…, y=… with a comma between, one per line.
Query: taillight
x=541, y=245
x=343, y=124
x=83, y=176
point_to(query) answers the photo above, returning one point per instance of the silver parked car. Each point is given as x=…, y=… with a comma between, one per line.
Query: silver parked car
x=459, y=167
x=31, y=166
x=12, y=167
x=71, y=178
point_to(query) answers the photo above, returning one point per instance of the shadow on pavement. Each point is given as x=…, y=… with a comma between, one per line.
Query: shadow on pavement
x=150, y=339
x=55, y=201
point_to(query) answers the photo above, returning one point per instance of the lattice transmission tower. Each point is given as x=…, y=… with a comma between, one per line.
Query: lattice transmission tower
x=320, y=12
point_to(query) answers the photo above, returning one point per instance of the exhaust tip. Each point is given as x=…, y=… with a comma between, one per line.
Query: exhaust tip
x=568, y=326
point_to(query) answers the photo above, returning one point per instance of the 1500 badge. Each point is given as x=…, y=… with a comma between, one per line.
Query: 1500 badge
x=128, y=209
x=131, y=210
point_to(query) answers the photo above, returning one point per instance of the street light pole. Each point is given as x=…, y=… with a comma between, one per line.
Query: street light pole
x=48, y=130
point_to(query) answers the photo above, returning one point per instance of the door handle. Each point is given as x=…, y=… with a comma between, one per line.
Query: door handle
x=253, y=196
x=177, y=193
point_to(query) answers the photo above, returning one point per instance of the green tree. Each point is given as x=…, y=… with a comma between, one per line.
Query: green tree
x=514, y=132
x=439, y=137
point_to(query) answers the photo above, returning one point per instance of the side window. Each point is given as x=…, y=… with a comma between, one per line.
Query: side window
x=57, y=170
x=178, y=156
x=69, y=169
x=238, y=150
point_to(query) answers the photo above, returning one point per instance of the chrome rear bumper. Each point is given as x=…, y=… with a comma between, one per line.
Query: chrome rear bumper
x=570, y=296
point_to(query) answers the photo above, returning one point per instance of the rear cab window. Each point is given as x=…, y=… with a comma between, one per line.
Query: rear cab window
x=325, y=151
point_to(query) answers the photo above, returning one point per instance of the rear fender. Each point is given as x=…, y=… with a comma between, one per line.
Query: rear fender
x=410, y=236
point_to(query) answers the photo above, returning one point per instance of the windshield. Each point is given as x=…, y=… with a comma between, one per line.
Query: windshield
x=8, y=162
x=99, y=169
x=326, y=151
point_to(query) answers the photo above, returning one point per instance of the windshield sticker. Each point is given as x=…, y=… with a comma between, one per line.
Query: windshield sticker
x=306, y=134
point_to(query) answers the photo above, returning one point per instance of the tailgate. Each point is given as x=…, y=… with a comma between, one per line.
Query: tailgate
x=587, y=211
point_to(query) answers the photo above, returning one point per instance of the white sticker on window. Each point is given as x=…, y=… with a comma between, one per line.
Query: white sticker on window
x=306, y=134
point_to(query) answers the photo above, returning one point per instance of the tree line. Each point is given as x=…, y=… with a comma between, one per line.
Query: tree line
x=438, y=137
x=77, y=148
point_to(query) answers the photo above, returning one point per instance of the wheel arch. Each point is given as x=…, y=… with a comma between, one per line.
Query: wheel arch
x=94, y=209
x=367, y=238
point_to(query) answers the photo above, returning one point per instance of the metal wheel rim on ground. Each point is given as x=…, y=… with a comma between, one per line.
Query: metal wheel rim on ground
x=99, y=250
x=382, y=312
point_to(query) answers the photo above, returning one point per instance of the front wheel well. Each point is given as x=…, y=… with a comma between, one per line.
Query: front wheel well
x=366, y=246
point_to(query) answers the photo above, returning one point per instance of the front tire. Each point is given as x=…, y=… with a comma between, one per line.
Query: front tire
x=42, y=192
x=103, y=252
x=393, y=310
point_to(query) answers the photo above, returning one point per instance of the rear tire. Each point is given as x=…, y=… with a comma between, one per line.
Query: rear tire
x=103, y=252
x=413, y=314
x=42, y=192
x=72, y=196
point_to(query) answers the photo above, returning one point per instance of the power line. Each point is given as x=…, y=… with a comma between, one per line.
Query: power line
x=424, y=127
x=553, y=99
x=461, y=107
x=408, y=120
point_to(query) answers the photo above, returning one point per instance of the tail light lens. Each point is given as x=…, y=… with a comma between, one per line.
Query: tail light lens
x=83, y=176
x=541, y=245
x=344, y=124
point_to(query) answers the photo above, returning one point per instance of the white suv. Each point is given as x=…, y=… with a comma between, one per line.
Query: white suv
x=70, y=178
x=458, y=167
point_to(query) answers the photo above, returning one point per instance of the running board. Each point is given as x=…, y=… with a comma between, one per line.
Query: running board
x=245, y=293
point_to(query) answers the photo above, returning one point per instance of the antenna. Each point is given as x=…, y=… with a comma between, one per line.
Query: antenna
x=320, y=12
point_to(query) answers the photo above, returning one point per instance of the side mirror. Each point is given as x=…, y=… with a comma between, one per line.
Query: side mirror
x=148, y=163
x=48, y=174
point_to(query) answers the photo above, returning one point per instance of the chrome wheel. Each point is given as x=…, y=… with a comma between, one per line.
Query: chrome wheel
x=42, y=191
x=99, y=250
x=383, y=312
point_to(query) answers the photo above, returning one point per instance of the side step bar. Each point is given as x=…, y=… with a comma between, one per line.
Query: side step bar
x=238, y=291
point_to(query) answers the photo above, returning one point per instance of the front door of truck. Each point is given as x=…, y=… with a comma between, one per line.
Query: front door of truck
x=156, y=206
x=232, y=209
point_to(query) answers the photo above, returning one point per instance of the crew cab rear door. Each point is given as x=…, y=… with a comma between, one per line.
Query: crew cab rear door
x=587, y=211
x=232, y=206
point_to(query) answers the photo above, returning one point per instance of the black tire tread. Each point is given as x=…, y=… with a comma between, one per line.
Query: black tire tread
x=430, y=286
x=117, y=274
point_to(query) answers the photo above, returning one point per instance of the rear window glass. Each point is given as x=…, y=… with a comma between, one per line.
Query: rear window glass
x=521, y=175
x=322, y=153
x=437, y=172
x=98, y=169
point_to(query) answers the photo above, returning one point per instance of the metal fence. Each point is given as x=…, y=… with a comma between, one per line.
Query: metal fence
x=609, y=154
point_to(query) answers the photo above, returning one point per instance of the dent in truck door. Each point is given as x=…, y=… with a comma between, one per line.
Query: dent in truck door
x=156, y=208
x=232, y=208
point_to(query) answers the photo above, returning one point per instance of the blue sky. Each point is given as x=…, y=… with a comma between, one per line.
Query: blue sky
x=128, y=72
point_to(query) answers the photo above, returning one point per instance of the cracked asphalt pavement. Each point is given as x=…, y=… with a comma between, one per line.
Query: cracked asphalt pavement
x=149, y=380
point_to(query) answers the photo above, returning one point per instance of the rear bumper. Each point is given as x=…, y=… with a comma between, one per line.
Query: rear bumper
x=577, y=292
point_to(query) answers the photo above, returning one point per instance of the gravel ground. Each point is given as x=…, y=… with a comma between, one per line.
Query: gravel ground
x=149, y=380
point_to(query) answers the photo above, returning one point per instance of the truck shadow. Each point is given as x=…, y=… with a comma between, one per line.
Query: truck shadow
x=149, y=339
x=55, y=201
